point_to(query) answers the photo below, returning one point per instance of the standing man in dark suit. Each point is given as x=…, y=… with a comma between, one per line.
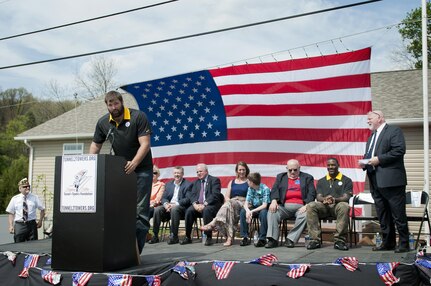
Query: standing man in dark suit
x=174, y=205
x=384, y=163
x=206, y=199
x=290, y=193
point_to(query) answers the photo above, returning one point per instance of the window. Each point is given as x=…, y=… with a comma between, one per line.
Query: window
x=73, y=148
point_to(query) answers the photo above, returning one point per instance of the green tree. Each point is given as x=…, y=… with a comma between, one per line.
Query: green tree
x=410, y=30
x=17, y=170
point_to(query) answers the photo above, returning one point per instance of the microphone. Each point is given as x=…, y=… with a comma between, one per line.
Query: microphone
x=109, y=132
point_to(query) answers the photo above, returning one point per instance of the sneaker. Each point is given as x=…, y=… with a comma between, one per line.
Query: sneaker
x=153, y=240
x=313, y=245
x=245, y=241
x=341, y=245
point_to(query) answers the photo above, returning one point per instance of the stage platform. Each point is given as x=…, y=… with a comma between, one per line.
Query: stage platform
x=161, y=258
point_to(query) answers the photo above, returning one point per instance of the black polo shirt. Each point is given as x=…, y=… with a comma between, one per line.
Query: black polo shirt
x=125, y=136
x=336, y=187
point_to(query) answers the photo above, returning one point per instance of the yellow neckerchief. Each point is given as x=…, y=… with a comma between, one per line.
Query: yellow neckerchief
x=126, y=116
x=338, y=177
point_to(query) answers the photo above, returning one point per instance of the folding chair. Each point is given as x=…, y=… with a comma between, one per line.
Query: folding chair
x=424, y=214
x=359, y=200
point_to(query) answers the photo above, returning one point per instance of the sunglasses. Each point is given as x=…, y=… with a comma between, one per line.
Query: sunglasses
x=155, y=173
x=292, y=170
x=25, y=187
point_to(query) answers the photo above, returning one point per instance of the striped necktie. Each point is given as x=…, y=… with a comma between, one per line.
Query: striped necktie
x=24, y=209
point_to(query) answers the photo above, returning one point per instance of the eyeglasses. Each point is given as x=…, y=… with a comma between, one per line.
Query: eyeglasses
x=25, y=187
x=292, y=170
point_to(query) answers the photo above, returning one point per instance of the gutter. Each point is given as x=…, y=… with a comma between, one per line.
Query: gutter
x=408, y=122
x=54, y=137
x=30, y=161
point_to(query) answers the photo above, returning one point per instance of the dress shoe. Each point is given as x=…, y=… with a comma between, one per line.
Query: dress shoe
x=173, y=240
x=272, y=243
x=209, y=241
x=340, y=245
x=260, y=243
x=314, y=244
x=186, y=240
x=245, y=241
x=288, y=243
x=382, y=248
x=153, y=240
x=401, y=250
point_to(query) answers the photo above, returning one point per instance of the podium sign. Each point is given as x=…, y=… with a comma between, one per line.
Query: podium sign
x=94, y=223
x=78, y=184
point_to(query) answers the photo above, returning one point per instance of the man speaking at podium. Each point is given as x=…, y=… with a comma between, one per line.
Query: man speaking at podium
x=129, y=131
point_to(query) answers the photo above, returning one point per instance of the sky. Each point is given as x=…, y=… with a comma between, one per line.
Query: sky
x=325, y=33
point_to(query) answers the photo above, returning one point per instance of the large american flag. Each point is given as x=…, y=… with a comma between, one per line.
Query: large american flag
x=264, y=114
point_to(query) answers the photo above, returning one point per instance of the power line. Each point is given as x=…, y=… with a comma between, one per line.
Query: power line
x=190, y=36
x=87, y=20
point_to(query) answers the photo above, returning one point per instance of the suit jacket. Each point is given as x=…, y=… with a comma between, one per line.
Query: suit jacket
x=279, y=189
x=390, y=149
x=182, y=193
x=213, y=195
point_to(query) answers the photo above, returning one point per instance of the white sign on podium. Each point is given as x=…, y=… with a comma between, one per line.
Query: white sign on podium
x=78, y=184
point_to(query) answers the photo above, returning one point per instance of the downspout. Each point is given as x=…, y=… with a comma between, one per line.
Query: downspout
x=30, y=161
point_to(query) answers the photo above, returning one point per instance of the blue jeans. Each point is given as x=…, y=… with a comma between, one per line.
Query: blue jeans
x=262, y=220
x=144, y=183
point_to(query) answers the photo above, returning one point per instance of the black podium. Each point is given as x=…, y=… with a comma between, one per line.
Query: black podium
x=102, y=240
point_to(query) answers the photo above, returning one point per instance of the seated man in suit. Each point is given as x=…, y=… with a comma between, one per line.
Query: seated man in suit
x=290, y=193
x=174, y=204
x=206, y=199
x=333, y=194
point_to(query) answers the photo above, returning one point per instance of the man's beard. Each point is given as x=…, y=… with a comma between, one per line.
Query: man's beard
x=117, y=113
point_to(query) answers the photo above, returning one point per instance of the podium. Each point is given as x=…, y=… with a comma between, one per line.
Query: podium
x=94, y=219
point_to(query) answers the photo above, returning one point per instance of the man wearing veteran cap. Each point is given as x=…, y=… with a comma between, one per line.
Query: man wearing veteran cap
x=22, y=213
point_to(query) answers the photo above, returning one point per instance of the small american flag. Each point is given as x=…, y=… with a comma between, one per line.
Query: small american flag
x=267, y=260
x=30, y=261
x=222, y=268
x=297, y=270
x=51, y=277
x=81, y=278
x=350, y=263
x=185, y=268
x=119, y=280
x=154, y=280
x=385, y=272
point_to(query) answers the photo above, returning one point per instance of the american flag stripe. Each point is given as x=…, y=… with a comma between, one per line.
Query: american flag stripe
x=340, y=82
x=297, y=64
x=317, y=109
x=264, y=114
x=330, y=96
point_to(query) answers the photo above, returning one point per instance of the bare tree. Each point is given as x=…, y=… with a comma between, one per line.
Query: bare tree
x=99, y=78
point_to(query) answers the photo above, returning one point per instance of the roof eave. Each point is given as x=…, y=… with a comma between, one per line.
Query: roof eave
x=55, y=137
